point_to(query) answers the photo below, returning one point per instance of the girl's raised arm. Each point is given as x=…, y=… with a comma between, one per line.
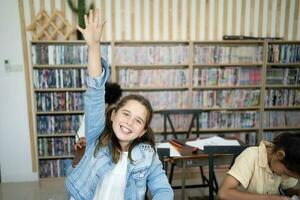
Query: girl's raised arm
x=92, y=35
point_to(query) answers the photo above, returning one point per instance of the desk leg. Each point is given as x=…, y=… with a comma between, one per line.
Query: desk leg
x=183, y=173
x=211, y=175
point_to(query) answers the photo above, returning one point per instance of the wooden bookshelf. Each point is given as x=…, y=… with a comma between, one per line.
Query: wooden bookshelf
x=282, y=98
x=227, y=82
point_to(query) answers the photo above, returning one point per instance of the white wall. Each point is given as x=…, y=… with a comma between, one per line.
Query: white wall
x=15, y=155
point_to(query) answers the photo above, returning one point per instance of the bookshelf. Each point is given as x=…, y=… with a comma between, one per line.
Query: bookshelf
x=227, y=86
x=232, y=84
x=282, y=99
x=59, y=80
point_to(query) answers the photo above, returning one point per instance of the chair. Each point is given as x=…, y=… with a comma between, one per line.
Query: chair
x=211, y=150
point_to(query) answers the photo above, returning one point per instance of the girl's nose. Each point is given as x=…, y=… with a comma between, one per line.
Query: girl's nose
x=130, y=120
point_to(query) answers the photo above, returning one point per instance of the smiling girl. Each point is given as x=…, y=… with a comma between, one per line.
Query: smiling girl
x=120, y=160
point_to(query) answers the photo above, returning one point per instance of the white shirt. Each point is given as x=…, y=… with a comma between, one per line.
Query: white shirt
x=114, y=182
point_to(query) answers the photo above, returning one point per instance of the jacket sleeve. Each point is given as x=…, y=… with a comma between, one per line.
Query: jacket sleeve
x=94, y=105
x=158, y=183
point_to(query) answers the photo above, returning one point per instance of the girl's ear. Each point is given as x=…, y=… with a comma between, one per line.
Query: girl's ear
x=280, y=154
x=113, y=114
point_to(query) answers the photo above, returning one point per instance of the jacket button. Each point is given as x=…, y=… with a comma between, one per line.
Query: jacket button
x=141, y=175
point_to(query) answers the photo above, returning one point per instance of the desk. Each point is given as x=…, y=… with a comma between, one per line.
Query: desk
x=196, y=159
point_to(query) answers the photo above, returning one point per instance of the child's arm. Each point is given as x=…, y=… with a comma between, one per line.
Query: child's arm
x=92, y=35
x=94, y=103
x=228, y=191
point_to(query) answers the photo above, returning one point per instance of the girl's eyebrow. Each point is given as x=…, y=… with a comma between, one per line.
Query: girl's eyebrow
x=136, y=116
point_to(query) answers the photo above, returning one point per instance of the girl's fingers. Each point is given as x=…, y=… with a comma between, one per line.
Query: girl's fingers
x=91, y=16
x=79, y=28
x=96, y=17
x=86, y=20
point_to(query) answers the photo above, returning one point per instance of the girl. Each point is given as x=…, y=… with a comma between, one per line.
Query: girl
x=120, y=159
x=261, y=172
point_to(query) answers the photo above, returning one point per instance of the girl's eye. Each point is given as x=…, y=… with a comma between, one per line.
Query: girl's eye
x=125, y=114
x=139, y=121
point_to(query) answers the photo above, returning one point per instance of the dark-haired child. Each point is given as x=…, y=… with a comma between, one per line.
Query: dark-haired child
x=260, y=172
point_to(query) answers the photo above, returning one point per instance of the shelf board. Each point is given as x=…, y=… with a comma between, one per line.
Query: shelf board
x=284, y=86
x=55, y=157
x=231, y=109
x=284, y=64
x=228, y=65
x=60, y=90
x=158, y=88
x=147, y=42
x=231, y=42
x=281, y=128
x=282, y=108
x=152, y=66
x=51, y=135
x=226, y=87
x=212, y=130
x=283, y=42
x=59, y=112
x=80, y=42
x=59, y=66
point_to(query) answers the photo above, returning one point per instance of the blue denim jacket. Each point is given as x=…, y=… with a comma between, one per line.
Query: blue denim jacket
x=146, y=170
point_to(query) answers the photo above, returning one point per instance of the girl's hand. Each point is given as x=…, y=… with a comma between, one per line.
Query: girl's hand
x=93, y=31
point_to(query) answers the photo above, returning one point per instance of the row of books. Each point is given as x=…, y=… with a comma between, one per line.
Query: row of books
x=284, y=53
x=283, y=76
x=227, y=119
x=58, y=146
x=151, y=54
x=282, y=97
x=164, y=99
x=153, y=78
x=54, y=168
x=270, y=135
x=226, y=54
x=273, y=119
x=226, y=98
x=59, y=78
x=180, y=122
x=58, y=124
x=45, y=54
x=59, y=101
x=228, y=76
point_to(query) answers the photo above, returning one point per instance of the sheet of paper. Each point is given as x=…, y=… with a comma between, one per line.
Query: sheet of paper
x=212, y=141
x=173, y=151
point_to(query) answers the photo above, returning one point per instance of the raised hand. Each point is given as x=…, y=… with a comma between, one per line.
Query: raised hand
x=80, y=144
x=93, y=31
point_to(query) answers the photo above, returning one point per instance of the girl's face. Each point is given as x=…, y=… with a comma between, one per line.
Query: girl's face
x=279, y=168
x=129, y=122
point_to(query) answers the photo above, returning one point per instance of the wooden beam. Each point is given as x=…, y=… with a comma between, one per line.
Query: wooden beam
x=28, y=86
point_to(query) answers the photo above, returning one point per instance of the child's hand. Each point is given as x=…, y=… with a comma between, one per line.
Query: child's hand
x=80, y=144
x=93, y=31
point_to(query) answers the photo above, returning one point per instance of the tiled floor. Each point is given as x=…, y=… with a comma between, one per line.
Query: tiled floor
x=54, y=189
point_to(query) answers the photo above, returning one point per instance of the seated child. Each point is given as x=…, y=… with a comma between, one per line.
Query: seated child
x=260, y=172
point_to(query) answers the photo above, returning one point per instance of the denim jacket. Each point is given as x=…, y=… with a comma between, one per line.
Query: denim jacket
x=145, y=170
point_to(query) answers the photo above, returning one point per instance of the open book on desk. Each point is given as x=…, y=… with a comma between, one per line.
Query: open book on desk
x=167, y=145
x=212, y=141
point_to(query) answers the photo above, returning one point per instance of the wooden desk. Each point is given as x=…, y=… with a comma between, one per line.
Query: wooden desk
x=196, y=159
